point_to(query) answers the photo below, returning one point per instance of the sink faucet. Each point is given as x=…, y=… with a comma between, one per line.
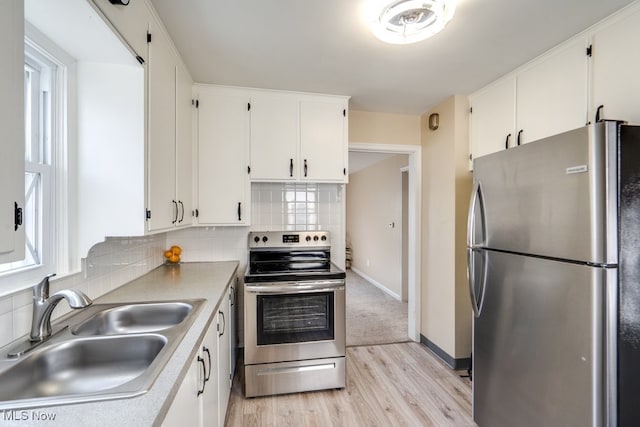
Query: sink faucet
x=43, y=306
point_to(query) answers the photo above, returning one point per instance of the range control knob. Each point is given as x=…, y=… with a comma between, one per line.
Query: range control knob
x=308, y=238
x=323, y=238
x=256, y=239
x=315, y=238
x=265, y=238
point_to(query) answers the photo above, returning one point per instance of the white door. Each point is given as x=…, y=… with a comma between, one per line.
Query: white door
x=11, y=129
x=223, y=138
x=274, y=137
x=552, y=94
x=615, y=70
x=161, y=132
x=323, y=140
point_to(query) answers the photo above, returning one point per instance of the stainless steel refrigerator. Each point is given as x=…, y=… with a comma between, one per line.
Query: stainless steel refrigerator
x=554, y=277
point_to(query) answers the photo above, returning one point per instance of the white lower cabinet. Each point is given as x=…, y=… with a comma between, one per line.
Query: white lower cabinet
x=196, y=403
x=210, y=398
x=203, y=396
x=185, y=409
x=224, y=355
x=233, y=329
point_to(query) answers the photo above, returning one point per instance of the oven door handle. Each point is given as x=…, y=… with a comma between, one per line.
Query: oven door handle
x=295, y=287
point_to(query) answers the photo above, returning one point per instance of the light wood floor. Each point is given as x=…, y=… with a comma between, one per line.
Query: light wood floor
x=387, y=385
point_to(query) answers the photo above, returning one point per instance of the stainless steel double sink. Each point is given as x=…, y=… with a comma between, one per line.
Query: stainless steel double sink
x=106, y=351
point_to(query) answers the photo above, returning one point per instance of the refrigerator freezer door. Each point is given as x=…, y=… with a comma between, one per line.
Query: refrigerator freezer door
x=535, y=357
x=551, y=197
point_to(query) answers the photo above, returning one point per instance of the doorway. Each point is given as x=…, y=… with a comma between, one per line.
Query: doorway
x=412, y=172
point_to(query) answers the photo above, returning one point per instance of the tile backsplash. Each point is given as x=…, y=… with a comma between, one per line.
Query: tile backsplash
x=274, y=206
x=108, y=265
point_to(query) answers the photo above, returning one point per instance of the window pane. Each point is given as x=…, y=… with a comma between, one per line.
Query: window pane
x=32, y=216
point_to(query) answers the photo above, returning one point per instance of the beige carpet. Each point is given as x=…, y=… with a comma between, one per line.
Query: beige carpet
x=373, y=317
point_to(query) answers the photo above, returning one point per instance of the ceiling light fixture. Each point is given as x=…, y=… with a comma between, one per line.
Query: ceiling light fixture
x=410, y=21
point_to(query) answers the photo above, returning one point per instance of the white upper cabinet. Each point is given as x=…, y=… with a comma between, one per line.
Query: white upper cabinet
x=223, y=147
x=492, y=118
x=552, y=93
x=170, y=142
x=298, y=137
x=547, y=97
x=11, y=129
x=323, y=136
x=563, y=89
x=161, y=78
x=615, y=71
x=130, y=22
x=274, y=136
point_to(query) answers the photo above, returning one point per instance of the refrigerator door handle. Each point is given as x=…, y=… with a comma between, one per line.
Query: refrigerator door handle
x=472, y=281
x=477, y=299
x=477, y=202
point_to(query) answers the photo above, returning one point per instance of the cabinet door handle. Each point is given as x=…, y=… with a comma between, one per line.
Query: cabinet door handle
x=201, y=360
x=519, y=133
x=207, y=376
x=224, y=323
x=232, y=296
x=598, y=110
x=181, y=211
x=175, y=211
x=17, y=216
x=291, y=167
x=506, y=143
x=239, y=211
x=305, y=167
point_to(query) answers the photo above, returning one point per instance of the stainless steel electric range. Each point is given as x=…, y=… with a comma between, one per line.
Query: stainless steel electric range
x=294, y=317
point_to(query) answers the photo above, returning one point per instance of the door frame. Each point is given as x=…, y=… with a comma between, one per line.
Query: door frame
x=414, y=223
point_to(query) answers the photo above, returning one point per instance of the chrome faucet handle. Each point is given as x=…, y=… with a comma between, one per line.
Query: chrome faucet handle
x=41, y=290
x=43, y=306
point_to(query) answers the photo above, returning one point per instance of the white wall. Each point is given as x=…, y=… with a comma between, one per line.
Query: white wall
x=110, y=144
x=374, y=201
x=446, y=310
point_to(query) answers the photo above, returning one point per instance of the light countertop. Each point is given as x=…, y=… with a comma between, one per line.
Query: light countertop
x=207, y=280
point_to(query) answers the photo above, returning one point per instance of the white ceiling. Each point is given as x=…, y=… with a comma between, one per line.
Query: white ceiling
x=326, y=46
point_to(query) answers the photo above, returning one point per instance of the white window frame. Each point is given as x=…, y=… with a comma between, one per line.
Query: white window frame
x=57, y=198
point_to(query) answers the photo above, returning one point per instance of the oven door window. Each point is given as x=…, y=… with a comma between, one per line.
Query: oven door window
x=293, y=318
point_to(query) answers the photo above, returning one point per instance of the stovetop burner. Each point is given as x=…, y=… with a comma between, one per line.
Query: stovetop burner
x=277, y=256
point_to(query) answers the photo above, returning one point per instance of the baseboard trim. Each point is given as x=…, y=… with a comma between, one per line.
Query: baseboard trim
x=376, y=284
x=453, y=363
